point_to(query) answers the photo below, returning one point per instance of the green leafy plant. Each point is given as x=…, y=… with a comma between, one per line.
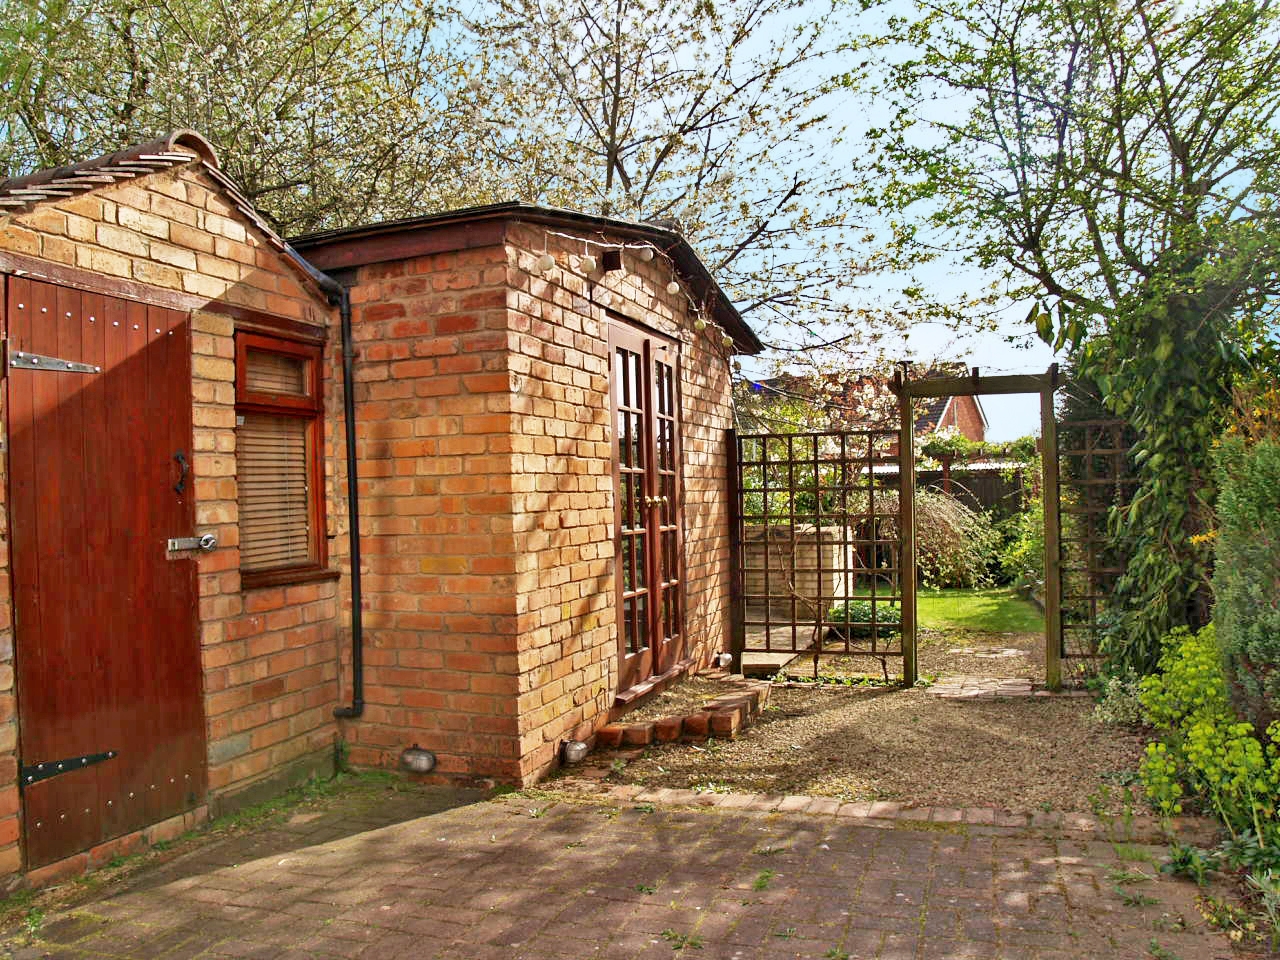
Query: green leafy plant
x=1131, y=898
x=854, y=617
x=1247, y=575
x=1118, y=703
x=1191, y=862
x=681, y=941
x=763, y=879
x=1204, y=750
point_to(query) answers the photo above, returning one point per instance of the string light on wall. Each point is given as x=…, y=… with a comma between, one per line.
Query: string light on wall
x=544, y=262
x=673, y=287
x=587, y=263
x=645, y=254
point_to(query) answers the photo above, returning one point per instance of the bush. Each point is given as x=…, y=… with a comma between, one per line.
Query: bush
x=1021, y=560
x=1205, y=752
x=1119, y=704
x=954, y=544
x=1246, y=578
x=857, y=614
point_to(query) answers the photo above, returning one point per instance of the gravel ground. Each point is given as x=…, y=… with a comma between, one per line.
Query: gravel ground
x=946, y=653
x=689, y=696
x=1022, y=754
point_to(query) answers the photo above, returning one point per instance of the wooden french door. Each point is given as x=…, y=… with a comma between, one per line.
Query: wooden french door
x=106, y=648
x=645, y=377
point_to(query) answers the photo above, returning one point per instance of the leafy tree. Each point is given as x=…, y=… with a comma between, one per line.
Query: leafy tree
x=1116, y=162
x=715, y=116
x=326, y=112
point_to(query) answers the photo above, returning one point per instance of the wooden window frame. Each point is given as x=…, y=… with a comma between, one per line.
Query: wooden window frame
x=311, y=409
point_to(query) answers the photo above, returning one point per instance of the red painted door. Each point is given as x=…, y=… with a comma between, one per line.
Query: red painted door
x=106, y=645
x=647, y=469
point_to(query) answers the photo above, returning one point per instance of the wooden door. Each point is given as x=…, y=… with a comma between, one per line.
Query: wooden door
x=106, y=649
x=649, y=548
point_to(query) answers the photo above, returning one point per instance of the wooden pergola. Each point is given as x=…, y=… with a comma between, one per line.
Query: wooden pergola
x=1044, y=384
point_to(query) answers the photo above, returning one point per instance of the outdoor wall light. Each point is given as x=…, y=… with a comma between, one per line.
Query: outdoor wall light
x=588, y=264
x=645, y=254
x=544, y=263
x=417, y=760
x=574, y=751
x=673, y=287
x=699, y=324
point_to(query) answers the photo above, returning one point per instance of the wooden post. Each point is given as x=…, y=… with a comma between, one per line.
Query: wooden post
x=1052, y=534
x=907, y=528
x=737, y=601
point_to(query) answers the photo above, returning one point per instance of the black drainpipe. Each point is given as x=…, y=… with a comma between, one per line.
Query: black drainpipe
x=353, y=515
x=338, y=293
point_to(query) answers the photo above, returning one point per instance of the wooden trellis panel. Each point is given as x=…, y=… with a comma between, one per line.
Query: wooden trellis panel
x=1096, y=474
x=818, y=537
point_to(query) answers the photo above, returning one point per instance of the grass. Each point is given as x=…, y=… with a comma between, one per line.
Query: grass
x=994, y=610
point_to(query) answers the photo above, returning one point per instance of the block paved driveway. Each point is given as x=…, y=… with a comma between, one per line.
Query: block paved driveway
x=612, y=875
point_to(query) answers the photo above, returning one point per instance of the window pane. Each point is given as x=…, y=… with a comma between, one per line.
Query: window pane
x=271, y=456
x=267, y=372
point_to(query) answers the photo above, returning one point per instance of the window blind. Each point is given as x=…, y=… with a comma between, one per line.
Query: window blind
x=271, y=453
x=267, y=372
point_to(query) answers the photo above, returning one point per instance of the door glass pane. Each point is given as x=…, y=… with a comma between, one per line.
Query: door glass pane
x=642, y=623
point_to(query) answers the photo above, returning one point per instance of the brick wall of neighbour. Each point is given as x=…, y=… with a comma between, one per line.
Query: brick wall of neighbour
x=966, y=418
x=435, y=443
x=269, y=655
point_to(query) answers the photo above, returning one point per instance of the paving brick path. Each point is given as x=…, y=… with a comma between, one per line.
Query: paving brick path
x=623, y=875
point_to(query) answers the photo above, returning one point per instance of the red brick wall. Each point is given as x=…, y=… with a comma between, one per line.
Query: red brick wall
x=269, y=655
x=486, y=481
x=435, y=447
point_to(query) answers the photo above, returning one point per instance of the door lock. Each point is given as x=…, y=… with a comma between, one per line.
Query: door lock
x=206, y=542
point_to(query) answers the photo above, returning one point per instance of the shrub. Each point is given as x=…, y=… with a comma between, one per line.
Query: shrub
x=954, y=544
x=1205, y=751
x=1246, y=578
x=1021, y=560
x=1119, y=704
x=857, y=614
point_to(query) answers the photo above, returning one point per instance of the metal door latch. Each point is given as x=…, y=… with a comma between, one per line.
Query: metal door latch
x=206, y=543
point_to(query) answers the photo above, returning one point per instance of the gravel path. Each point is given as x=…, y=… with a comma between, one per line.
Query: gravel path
x=1022, y=754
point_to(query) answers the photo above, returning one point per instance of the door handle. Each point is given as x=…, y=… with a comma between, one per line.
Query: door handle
x=184, y=468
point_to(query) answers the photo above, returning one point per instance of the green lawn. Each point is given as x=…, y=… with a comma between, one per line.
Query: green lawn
x=990, y=611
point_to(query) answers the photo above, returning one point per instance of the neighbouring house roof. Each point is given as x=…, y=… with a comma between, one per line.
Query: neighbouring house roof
x=393, y=240
x=173, y=149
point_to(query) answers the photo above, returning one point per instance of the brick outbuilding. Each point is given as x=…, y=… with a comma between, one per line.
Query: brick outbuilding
x=540, y=403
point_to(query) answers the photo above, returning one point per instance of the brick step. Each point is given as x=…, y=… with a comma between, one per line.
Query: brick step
x=724, y=717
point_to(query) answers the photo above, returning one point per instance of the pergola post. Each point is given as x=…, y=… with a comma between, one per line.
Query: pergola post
x=907, y=527
x=1052, y=531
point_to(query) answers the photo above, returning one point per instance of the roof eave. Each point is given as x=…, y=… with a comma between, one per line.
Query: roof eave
x=683, y=256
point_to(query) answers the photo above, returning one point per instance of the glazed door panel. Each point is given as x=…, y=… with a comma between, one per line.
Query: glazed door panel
x=647, y=470
x=106, y=645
